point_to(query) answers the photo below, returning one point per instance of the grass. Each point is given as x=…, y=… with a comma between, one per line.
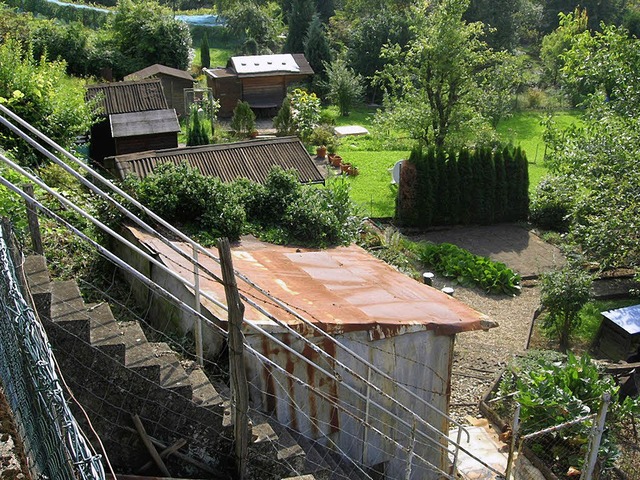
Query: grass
x=372, y=189
x=525, y=129
x=376, y=153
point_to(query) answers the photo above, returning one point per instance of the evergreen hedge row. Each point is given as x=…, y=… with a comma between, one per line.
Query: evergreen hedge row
x=481, y=186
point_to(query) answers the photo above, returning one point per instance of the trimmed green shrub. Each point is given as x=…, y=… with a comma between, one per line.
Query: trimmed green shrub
x=243, y=121
x=465, y=268
x=281, y=211
x=551, y=204
x=486, y=185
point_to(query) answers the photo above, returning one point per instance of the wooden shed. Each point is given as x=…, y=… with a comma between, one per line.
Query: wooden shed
x=252, y=159
x=118, y=131
x=619, y=335
x=260, y=80
x=174, y=82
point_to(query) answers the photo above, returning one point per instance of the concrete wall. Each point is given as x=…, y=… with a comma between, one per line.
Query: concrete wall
x=421, y=361
x=163, y=313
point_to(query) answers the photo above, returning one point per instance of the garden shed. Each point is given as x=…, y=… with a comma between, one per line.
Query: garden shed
x=133, y=116
x=252, y=159
x=619, y=335
x=403, y=327
x=260, y=80
x=174, y=82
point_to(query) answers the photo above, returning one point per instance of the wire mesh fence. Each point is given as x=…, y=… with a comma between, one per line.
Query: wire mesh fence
x=53, y=443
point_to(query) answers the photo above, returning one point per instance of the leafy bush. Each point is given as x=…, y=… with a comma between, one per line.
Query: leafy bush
x=564, y=293
x=281, y=211
x=551, y=204
x=552, y=391
x=466, y=268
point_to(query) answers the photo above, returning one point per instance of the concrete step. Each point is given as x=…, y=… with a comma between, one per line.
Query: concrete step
x=172, y=374
x=105, y=333
x=68, y=309
x=315, y=462
x=35, y=269
x=204, y=393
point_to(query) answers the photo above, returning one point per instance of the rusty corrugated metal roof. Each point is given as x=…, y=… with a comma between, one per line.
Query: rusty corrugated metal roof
x=340, y=289
x=157, y=68
x=128, y=97
x=252, y=159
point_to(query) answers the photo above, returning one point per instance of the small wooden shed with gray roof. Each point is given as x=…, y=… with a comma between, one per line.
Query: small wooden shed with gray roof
x=251, y=159
x=134, y=116
x=174, y=82
x=260, y=80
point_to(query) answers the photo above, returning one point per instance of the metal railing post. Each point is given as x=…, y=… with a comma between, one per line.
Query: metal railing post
x=596, y=436
x=198, y=320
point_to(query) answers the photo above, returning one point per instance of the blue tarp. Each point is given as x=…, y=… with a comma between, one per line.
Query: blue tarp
x=204, y=20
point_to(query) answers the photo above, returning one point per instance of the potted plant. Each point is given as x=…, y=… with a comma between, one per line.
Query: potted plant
x=321, y=151
x=352, y=170
x=344, y=167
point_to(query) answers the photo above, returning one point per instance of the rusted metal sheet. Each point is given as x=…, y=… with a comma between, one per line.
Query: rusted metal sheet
x=251, y=159
x=339, y=289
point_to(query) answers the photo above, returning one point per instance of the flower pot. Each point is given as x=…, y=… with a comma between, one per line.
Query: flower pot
x=335, y=160
x=321, y=152
x=254, y=134
x=344, y=167
x=353, y=171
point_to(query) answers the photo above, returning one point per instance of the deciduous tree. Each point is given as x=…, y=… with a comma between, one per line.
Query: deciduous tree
x=433, y=86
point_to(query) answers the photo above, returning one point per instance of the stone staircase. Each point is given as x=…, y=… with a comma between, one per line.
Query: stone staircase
x=115, y=372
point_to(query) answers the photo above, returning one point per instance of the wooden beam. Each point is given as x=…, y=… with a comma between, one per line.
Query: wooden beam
x=239, y=385
x=147, y=443
x=165, y=453
x=32, y=218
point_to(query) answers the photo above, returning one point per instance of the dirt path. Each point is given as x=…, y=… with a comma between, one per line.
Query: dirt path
x=480, y=356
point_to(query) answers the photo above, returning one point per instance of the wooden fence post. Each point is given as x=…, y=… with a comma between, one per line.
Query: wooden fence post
x=239, y=386
x=32, y=217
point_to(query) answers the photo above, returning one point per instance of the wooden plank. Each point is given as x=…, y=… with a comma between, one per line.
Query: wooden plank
x=239, y=385
x=32, y=218
x=165, y=453
x=216, y=474
x=147, y=443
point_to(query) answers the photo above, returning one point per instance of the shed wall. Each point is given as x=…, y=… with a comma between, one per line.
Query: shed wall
x=174, y=91
x=421, y=361
x=228, y=91
x=142, y=143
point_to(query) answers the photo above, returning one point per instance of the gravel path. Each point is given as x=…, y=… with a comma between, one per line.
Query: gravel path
x=480, y=356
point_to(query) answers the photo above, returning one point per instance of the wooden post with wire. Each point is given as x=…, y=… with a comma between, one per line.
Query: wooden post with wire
x=239, y=385
x=32, y=218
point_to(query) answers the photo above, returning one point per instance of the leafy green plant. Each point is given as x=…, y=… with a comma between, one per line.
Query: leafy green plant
x=305, y=112
x=196, y=130
x=465, y=268
x=281, y=211
x=552, y=391
x=243, y=121
x=563, y=293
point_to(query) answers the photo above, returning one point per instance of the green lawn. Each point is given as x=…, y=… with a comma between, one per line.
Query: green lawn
x=372, y=189
x=376, y=153
x=525, y=129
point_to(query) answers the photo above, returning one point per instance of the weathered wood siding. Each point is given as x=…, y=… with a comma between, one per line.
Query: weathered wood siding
x=227, y=91
x=174, y=91
x=141, y=143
